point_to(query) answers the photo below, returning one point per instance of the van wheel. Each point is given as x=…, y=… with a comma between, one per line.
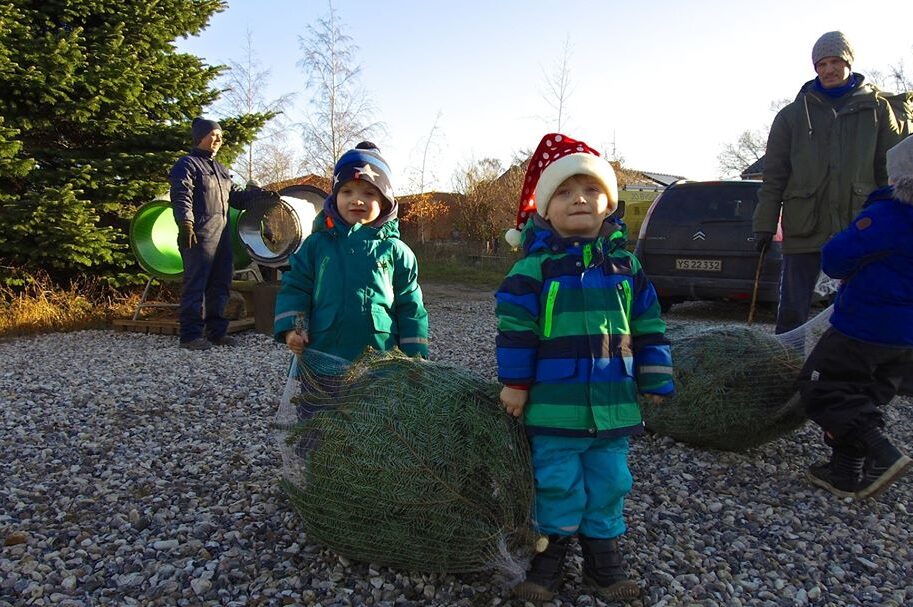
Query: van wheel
x=665, y=304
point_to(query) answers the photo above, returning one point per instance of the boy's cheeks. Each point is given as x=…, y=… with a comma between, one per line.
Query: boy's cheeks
x=578, y=207
x=358, y=202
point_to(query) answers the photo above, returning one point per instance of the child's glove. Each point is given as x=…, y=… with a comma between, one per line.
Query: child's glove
x=296, y=341
x=514, y=400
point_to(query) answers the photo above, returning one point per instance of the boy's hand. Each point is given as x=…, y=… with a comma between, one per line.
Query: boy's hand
x=514, y=400
x=296, y=341
x=656, y=399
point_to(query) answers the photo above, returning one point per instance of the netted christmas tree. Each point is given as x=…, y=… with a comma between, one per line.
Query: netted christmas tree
x=735, y=386
x=405, y=462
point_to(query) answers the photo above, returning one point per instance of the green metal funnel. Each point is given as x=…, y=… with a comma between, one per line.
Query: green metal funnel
x=154, y=240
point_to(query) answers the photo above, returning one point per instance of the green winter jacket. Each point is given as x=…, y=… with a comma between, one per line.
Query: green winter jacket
x=821, y=164
x=355, y=287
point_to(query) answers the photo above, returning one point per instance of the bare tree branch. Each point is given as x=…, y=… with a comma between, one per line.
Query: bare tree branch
x=245, y=83
x=340, y=109
x=558, y=87
x=738, y=156
x=491, y=198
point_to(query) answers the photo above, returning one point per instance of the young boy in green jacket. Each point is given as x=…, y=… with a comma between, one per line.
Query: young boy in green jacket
x=579, y=335
x=353, y=281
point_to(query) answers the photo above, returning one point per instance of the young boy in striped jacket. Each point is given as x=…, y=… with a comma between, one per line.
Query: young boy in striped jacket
x=579, y=336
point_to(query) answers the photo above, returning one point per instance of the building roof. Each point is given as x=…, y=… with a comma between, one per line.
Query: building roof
x=662, y=179
x=317, y=181
x=755, y=170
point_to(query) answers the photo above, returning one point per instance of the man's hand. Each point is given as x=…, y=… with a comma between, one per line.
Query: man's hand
x=762, y=240
x=187, y=238
x=296, y=341
x=263, y=201
x=656, y=399
x=514, y=400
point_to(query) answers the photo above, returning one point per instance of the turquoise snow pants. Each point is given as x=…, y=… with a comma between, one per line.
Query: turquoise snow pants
x=581, y=484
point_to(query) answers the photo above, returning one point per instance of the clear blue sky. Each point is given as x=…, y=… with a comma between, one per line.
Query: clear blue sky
x=668, y=81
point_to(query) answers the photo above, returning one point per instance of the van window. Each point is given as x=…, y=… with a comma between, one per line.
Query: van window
x=701, y=204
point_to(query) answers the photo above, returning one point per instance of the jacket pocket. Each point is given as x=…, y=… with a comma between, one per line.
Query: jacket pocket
x=555, y=369
x=209, y=180
x=383, y=322
x=800, y=214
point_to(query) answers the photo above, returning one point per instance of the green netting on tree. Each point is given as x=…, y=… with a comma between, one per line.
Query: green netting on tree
x=407, y=463
x=735, y=386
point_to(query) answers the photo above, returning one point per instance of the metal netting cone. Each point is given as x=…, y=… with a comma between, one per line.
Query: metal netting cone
x=735, y=386
x=407, y=463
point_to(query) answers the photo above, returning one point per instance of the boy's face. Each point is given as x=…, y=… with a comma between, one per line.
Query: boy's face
x=578, y=207
x=358, y=202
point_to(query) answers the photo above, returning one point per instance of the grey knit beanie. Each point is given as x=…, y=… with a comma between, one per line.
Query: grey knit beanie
x=900, y=169
x=832, y=44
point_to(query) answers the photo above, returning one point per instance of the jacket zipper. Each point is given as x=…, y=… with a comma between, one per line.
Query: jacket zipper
x=319, y=279
x=625, y=291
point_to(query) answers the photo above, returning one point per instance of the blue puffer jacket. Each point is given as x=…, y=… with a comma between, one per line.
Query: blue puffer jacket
x=874, y=257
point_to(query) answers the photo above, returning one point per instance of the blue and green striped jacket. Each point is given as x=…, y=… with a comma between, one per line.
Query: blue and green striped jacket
x=579, y=324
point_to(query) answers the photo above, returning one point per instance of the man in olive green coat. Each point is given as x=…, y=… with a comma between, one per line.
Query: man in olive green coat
x=825, y=154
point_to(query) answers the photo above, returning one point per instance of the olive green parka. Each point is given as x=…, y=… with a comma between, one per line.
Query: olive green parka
x=821, y=164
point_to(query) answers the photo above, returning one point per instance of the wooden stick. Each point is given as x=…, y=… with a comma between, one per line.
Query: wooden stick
x=757, y=279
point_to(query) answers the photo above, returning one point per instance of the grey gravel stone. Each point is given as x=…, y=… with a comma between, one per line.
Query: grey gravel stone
x=136, y=473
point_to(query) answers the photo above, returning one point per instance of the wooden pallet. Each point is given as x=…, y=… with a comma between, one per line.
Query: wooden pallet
x=171, y=326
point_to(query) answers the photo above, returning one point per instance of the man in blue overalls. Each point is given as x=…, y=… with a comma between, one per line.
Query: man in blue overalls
x=201, y=192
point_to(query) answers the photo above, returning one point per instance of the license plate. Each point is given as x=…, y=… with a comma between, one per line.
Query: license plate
x=701, y=265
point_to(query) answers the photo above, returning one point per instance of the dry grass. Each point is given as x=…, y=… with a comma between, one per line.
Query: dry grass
x=463, y=264
x=42, y=307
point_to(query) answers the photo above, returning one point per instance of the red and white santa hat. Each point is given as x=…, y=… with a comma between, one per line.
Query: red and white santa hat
x=557, y=158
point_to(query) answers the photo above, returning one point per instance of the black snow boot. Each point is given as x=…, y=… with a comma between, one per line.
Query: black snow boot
x=840, y=475
x=545, y=574
x=884, y=463
x=604, y=570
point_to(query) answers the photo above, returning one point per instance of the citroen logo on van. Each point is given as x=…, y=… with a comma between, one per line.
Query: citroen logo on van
x=699, y=235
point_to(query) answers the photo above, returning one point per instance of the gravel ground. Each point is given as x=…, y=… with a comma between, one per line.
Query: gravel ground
x=135, y=473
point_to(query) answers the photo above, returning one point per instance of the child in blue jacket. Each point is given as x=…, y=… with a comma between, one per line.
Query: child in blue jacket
x=579, y=336
x=353, y=282
x=861, y=361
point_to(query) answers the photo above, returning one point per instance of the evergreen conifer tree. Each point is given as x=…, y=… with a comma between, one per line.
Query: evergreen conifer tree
x=96, y=104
